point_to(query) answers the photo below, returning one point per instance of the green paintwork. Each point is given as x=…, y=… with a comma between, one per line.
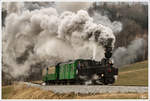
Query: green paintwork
x=49, y=77
x=64, y=71
x=67, y=70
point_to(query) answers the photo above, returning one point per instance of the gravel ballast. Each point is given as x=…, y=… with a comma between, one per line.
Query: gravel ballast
x=87, y=89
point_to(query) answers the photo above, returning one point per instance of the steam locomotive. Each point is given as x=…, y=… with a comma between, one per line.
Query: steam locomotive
x=82, y=71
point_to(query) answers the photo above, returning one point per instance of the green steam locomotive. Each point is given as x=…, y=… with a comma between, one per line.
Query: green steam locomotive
x=82, y=71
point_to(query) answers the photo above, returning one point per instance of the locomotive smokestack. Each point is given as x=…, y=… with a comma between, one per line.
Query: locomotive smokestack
x=108, y=52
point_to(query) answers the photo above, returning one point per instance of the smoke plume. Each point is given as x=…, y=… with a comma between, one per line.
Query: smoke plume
x=123, y=56
x=116, y=26
x=30, y=37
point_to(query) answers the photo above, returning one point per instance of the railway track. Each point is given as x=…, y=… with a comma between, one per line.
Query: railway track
x=90, y=89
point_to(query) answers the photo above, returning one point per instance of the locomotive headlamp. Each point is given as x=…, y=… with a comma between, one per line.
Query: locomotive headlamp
x=116, y=77
x=102, y=75
x=111, y=61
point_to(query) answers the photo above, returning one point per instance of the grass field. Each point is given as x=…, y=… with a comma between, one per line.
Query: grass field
x=134, y=74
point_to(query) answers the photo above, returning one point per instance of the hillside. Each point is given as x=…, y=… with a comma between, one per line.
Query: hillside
x=133, y=74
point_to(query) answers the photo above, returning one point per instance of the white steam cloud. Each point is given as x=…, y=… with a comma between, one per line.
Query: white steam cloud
x=42, y=34
x=116, y=26
x=123, y=56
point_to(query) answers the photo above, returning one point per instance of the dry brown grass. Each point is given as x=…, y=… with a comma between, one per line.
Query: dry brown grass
x=116, y=96
x=133, y=74
x=20, y=91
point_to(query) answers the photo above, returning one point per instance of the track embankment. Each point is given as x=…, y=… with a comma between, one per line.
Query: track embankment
x=87, y=89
